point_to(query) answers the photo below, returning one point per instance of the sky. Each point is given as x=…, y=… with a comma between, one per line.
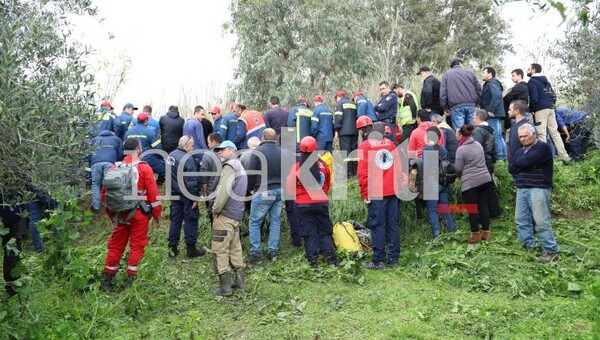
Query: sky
x=179, y=54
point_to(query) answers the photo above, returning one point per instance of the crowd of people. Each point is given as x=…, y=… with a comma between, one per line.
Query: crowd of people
x=457, y=121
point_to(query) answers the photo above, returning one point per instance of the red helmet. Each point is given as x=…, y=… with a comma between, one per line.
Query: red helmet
x=363, y=121
x=308, y=144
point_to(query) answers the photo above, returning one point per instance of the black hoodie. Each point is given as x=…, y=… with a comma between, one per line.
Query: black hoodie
x=171, y=129
x=484, y=134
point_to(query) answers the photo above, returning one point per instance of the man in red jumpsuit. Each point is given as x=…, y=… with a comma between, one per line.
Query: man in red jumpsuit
x=136, y=230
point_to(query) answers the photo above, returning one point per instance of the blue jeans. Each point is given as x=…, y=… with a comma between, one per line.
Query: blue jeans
x=462, y=115
x=383, y=220
x=99, y=170
x=533, y=213
x=266, y=202
x=496, y=124
x=432, y=211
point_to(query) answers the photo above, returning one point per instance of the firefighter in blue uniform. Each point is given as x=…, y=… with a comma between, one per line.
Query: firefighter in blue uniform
x=299, y=118
x=124, y=120
x=229, y=123
x=322, y=125
x=149, y=140
x=364, y=107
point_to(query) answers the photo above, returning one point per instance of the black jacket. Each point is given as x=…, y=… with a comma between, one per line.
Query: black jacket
x=518, y=92
x=272, y=153
x=451, y=143
x=484, y=134
x=430, y=94
x=345, y=118
x=171, y=129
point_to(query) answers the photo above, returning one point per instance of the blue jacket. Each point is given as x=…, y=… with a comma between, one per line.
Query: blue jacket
x=152, y=123
x=322, y=124
x=107, y=148
x=364, y=107
x=567, y=116
x=491, y=98
x=532, y=168
x=538, y=98
x=228, y=128
x=192, y=183
x=217, y=125
x=299, y=118
x=387, y=107
x=193, y=127
x=105, y=120
x=123, y=123
x=514, y=144
x=146, y=136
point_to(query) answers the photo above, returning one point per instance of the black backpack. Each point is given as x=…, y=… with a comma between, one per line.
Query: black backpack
x=447, y=172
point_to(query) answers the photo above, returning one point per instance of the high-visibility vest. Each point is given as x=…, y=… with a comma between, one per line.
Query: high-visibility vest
x=404, y=112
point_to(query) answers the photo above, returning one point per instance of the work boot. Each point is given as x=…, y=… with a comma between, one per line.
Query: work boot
x=253, y=259
x=129, y=280
x=107, y=281
x=485, y=235
x=224, y=288
x=548, y=257
x=173, y=251
x=475, y=238
x=192, y=251
x=240, y=279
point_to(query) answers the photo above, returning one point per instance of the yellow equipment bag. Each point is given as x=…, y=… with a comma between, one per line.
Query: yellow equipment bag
x=345, y=237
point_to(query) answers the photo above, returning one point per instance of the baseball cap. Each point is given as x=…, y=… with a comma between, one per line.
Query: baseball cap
x=318, y=99
x=225, y=144
x=215, y=109
x=302, y=100
x=106, y=103
x=340, y=93
x=129, y=106
x=357, y=93
x=424, y=69
x=142, y=116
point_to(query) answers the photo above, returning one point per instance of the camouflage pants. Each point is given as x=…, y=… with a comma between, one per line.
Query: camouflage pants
x=226, y=245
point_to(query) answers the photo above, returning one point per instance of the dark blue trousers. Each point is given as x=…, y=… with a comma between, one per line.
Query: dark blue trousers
x=158, y=166
x=294, y=227
x=383, y=220
x=181, y=211
x=316, y=230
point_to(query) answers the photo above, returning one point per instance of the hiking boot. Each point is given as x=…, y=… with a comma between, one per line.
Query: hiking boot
x=475, y=238
x=314, y=264
x=253, y=259
x=391, y=264
x=107, y=282
x=129, y=280
x=192, y=251
x=485, y=235
x=273, y=255
x=239, y=283
x=373, y=265
x=224, y=288
x=173, y=251
x=332, y=261
x=548, y=257
x=95, y=210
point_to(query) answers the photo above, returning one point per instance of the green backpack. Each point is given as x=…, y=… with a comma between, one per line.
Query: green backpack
x=118, y=183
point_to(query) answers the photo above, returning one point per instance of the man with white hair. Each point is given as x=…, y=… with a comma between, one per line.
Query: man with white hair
x=185, y=209
x=532, y=167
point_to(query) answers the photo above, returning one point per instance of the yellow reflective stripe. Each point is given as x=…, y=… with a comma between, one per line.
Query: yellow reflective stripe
x=340, y=113
x=224, y=127
x=349, y=106
x=305, y=113
x=88, y=169
x=326, y=113
x=137, y=136
x=315, y=119
x=155, y=143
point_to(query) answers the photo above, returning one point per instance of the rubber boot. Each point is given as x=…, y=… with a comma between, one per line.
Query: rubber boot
x=240, y=279
x=485, y=235
x=192, y=251
x=108, y=281
x=129, y=280
x=475, y=238
x=173, y=251
x=224, y=288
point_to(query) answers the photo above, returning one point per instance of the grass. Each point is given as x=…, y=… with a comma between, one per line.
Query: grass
x=442, y=289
